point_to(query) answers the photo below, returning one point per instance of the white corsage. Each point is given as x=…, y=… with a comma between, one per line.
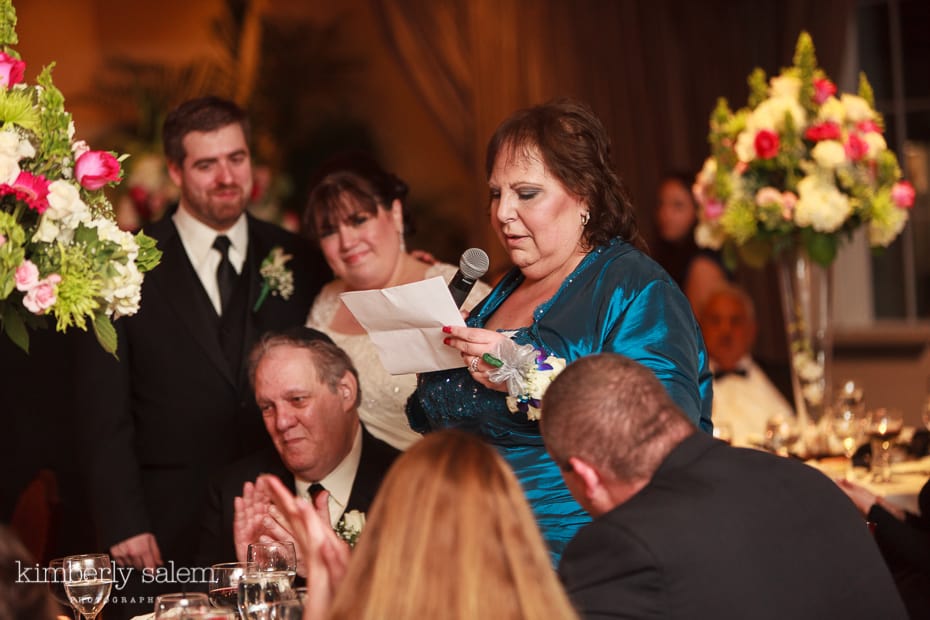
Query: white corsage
x=350, y=526
x=276, y=278
x=528, y=371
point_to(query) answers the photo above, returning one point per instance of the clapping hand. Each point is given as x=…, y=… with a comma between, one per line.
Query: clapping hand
x=325, y=554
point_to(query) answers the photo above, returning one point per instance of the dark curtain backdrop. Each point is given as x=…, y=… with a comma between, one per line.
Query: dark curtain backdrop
x=651, y=69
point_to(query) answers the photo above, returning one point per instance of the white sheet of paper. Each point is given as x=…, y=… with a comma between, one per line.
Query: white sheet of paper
x=405, y=324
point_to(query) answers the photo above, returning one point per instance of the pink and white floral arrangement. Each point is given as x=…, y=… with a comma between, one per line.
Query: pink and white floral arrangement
x=61, y=253
x=799, y=165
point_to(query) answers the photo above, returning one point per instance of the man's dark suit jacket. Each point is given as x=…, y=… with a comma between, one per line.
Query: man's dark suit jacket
x=216, y=541
x=178, y=402
x=725, y=532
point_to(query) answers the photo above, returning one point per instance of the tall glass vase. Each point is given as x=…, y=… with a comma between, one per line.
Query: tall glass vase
x=807, y=306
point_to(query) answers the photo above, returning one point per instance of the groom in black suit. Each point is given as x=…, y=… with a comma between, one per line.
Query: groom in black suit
x=307, y=389
x=686, y=526
x=177, y=401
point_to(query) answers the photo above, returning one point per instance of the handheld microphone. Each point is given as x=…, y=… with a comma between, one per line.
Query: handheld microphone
x=473, y=264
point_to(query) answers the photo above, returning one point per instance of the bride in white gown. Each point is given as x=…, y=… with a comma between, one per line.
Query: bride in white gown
x=356, y=213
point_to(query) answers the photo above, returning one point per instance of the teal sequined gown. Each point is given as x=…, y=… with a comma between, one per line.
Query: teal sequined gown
x=617, y=299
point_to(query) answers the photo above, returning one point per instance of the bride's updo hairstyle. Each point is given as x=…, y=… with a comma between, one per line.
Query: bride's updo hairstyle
x=450, y=535
x=576, y=150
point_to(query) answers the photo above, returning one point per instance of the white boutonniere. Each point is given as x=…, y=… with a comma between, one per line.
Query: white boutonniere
x=276, y=278
x=350, y=526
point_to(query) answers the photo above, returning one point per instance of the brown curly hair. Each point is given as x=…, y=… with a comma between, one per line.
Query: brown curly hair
x=575, y=149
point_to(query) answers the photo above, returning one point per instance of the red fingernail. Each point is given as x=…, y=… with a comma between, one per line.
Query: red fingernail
x=446, y=329
x=446, y=340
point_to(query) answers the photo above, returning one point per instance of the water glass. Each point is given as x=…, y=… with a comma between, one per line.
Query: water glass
x=848, y=426
x=259, y=590
x=286, y=610
x=884, y=427
x=180, y=605
x=274, y=556
x=780, y=434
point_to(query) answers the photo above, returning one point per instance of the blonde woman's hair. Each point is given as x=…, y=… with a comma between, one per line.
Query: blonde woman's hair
x=450, y=535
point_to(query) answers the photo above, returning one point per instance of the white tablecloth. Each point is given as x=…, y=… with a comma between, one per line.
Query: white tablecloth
x=907, y=478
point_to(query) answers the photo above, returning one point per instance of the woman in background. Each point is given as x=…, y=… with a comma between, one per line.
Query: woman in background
x=697, y=271
x=356, y=214
x=581, y=286
x=449, y=536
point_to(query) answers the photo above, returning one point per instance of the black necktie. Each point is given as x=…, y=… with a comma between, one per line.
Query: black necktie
x=225, y=274
x=315, y=489
x=720, y=374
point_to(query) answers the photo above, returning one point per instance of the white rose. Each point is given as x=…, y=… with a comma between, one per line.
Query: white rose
x=882, y=233
x=9, y=168
x=857, y=108
x=709, y=236
x=9, y=144
x=785, y=86
x=123, y=292
x=109, y=231
x=65, y=205
x=746, y=146
x=876, y=143
x=354, y=520
x=829, y=154
x=770, y=114
x=47, y=231
x=832, y=110
x=820, y=205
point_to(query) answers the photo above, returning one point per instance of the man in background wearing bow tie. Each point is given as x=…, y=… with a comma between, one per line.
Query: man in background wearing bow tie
x=744, y=397
x=177, y=402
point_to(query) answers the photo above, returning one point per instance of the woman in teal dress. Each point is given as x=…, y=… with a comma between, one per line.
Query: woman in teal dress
x=581, y=285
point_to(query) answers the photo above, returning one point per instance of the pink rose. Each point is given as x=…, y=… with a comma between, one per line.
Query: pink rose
x=766, y=144
x=902, y=194
x=823, y=131
x=27, y=276
x=856, y=147
x=2, y=240
x=43, y=295
x=94, y=169
x=823, y=89
x=11, y=70
x=868, y=126
x=713, y=209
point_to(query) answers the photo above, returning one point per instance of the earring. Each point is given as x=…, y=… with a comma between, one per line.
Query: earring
x=585, y=216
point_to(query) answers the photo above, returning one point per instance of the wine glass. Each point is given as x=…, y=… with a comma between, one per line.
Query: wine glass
x=55, y=577
x=274, y=556
x=259, y=589
x=848, y=425
x=884, y=426
x=180, y=604
x=286, y=610
x=224, y=584
x=723, y=431
x=781, y=433
x=88, y=581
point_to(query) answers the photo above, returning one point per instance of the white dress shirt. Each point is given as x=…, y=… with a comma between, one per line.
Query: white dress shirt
x=197, y=239
x=338, y=482
x=746, y=403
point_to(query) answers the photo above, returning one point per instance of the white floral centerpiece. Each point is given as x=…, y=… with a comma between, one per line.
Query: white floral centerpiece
x=799, y=165
x=61, y=253
x=791, y=176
